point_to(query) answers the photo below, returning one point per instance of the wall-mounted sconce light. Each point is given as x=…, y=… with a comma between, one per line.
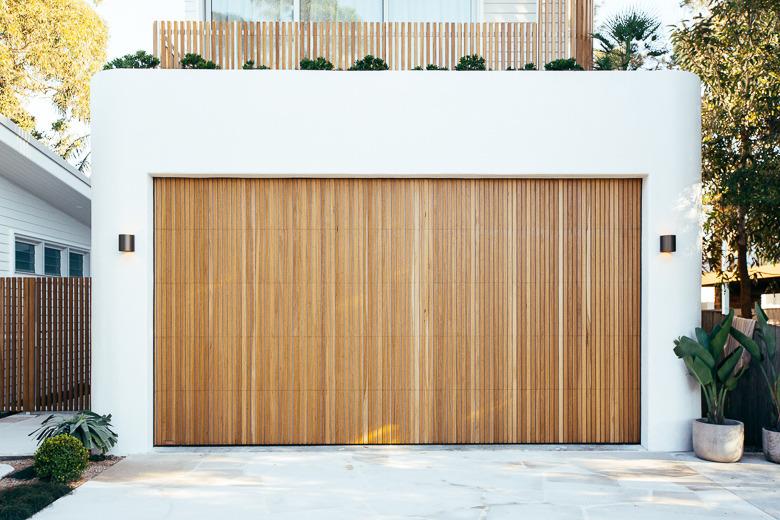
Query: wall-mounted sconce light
x=127, y=243
x=668, y=243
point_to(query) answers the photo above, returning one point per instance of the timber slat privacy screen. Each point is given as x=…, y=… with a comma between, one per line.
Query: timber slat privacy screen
x=563, y=31
x=352, y=311
x=45, y=344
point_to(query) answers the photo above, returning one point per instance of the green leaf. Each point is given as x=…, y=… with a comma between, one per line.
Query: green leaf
x=748, y=343
x=688, y=347
x=699, y=370
x=767, y=334
x=703, y=337
x=726, y=369
x=719, y=338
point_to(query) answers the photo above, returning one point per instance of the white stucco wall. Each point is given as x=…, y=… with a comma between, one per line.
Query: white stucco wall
x=444, y=124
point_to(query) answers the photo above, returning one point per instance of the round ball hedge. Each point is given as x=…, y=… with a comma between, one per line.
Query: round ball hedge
x=61, y=459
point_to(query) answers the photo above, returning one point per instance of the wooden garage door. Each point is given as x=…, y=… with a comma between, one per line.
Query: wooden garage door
x=330, y=311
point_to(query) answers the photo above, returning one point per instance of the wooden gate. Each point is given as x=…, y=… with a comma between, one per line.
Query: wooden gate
x=44, y=344
x=351, y=311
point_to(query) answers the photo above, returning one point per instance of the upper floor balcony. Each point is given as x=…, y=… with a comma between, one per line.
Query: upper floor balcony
x=405, y=33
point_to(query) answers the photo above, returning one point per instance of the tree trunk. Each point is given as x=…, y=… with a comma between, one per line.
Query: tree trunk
x=745, y=284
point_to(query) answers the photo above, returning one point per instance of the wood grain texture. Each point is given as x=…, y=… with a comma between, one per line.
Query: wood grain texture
x=45, y=344
x=404, y=46
x=352, y=311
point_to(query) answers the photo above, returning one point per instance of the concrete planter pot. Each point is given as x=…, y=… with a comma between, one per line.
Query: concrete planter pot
x=718, y=442
x=772, y=446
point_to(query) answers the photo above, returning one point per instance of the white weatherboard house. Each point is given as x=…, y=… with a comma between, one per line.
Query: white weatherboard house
x=395, y=257
x=44, y=209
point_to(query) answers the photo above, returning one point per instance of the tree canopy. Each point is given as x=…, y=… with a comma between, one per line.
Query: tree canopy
x=628, y=41
x=48, y=48
x=734, y=47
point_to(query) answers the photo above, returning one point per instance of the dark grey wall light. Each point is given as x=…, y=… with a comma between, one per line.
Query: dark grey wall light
x=127, y=243
x=668, y=243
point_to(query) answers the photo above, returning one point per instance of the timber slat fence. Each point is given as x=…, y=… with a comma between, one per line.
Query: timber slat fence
x=45, y=344
x=403, y=45
x=750, y=401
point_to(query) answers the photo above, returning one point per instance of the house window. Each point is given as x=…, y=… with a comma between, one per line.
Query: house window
x=430, y=11
x=76, y=264
x=25, y=257
x=52, y=261
x=251, y=10
x=42, y=258
x=341, y=10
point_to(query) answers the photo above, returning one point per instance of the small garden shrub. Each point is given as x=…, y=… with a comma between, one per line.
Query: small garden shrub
x=250, y=65
x=527, y=66
x=196, y=61
x=22, y=502
x=138, y=60
x=430, y=66
x=317, y=64
x=61, y=459
x=369, y=63
x=94, y=431
x=471, y=62
x=563, y=64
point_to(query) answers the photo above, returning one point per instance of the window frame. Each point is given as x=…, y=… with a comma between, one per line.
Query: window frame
x=35, y=256
x=59, y=250
x=40, y=245
x=476, y=11
x=83, y=256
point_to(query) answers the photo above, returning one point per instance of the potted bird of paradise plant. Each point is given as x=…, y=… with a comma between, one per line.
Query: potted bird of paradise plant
x=716, y=438
x=765, y=342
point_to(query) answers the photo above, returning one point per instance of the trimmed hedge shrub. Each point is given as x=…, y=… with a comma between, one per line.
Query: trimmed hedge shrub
x=61, y=459
x=563, y=64
x=22, y=502
x=196, y=61
x=250, y=65
x=138, y=60
x=317, y=64
x=471, y=62
x=369, y=63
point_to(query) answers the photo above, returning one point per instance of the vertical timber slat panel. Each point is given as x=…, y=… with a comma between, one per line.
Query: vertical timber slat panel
x=44, y=344
x=404, y=45
x=357, y=311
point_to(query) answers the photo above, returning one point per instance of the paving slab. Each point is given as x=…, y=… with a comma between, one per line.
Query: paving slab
x=424, y=482
x=14, y=434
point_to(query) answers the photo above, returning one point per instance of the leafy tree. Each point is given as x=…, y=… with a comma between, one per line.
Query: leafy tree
x=71, y=144
x=328, y=11
x=50, y=48
x=137, y=60
x=627, y=40
x=734, y=47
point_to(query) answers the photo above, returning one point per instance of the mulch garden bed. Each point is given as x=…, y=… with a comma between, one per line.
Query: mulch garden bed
x=22, y=493
x=24, y=473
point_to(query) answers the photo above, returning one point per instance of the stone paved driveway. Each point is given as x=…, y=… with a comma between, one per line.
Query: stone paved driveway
x=403, y=482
